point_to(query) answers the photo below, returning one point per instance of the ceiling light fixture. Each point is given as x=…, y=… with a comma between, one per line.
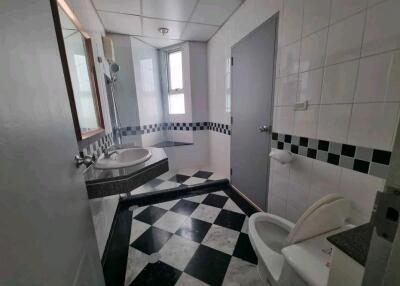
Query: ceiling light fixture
x=163, y=30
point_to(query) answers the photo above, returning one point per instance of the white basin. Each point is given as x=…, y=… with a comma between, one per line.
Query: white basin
x=123, y=158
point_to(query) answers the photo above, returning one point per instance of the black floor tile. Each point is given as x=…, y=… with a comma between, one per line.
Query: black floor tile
x=215, y=200
x=179, y=178
x=244, y=250
x=208, y=265
x=194, y=229
x=150, y=215
x=152, y=240
x=155, y=182
x=230, y=220
x=157, y=273
x=203, y=174
x=184, y=207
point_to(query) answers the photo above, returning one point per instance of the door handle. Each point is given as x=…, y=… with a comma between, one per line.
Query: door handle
x=264, y=128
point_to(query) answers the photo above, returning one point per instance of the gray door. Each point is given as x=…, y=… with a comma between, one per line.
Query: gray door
x=252, y=72
x=46, y=231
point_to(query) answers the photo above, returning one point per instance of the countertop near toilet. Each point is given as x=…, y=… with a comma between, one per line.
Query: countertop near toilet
x=101, y=183
x=354, y=242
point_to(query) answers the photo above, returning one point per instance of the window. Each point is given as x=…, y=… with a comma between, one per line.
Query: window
x=176, y=96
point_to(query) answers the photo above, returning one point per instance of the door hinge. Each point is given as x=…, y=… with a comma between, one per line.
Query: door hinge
x=231, y=171
x=231, y=61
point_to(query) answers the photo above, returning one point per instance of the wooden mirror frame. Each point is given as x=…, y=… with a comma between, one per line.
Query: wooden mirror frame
x=81, y=136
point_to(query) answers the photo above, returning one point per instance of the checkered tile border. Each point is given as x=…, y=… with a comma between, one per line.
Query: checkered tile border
x=182, y=126
x=361, y=159
x=95, y=148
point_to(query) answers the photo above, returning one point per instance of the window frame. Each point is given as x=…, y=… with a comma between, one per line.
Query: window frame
x=177, y=90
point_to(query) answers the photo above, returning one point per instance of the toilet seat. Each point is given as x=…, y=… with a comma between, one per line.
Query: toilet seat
x=266, y=230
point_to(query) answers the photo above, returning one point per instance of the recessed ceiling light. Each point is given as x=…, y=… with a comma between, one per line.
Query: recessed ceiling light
x=163, y=30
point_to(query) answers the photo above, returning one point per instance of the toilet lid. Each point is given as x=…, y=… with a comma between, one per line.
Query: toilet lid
x=324, y=215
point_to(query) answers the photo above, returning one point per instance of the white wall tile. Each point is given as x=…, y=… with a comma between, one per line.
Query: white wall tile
x=305, y=122
x=291, y=21
x=379, y=78
x=313, y=50
x=299, y=182
x=339, y=83
x=344, y=39
x=283, y=119
x=294, y=212
x=279, y=185
x=316, y=15
x=373, y=125
x=325, y=180
x=289, y=59
x=310, y=86
x=334, y=120
x=287, y=90
x=361, y=190
x=344, y=8
x=382, y=31
x=277, y=206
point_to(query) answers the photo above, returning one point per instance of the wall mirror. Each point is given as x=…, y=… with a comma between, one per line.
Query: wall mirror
x=80, y=74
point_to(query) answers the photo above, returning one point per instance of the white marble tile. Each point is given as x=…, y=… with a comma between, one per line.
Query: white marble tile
x=345, y=39
x=167, y=185
x=206, y=213
x=221, y=193
x=170, y=221
x=194, y=181
x=382, y=28
x=241, y=272
x=221, y=238
x=138, y=210
x=334, y=121
x=382, y=119
x=283, y=119
x=339, y=83
x=217, y=176
x=187, y=280
x=289, y=59
x=245, y=226
x=196, y=199
x=276, y=206
x=178, y=251
x=146, y=188
x=316, y=15
x=344, y=8
x=313, y=50
x=137, y=260
x=379, y=78
x=310, y=85
x=167, y=175
x=231, y=206
x=187, y=172
x=166, y=205
x=137, y=229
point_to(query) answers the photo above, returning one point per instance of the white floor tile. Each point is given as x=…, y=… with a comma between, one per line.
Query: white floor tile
x=170, y=221
x=245, y=226
x=167, y=175
x=221, y=193
x=187, y=172
x=178, y=251
x=196, y=199
x=167, y=185
x=231, y=206
x=187, y=280
x=137, y=260
x=206, y=213
x=241, y=272
x=137, y=229
x=221, y=238
x=194, y=181
x=166, y=205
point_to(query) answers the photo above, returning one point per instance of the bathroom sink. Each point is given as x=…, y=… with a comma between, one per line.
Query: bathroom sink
x=123, y=158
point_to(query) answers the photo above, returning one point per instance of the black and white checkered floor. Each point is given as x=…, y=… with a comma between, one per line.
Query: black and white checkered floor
x=199, y=240
x=179, y=178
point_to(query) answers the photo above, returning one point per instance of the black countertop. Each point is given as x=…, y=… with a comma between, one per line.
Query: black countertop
x=354, y=242
x=94, y=176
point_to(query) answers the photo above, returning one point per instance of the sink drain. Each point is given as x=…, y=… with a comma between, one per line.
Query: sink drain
x=154, y=257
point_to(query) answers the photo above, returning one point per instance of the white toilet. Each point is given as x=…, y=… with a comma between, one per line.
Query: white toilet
x=293, y=254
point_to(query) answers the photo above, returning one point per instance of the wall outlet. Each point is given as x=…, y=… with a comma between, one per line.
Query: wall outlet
x=301, y=106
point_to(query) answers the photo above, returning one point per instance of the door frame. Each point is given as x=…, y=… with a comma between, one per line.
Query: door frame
x=275, y=17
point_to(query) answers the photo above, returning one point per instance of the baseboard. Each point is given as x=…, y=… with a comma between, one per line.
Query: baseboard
x=242, y=201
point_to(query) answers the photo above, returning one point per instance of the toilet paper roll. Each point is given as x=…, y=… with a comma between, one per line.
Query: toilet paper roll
x=282, y=156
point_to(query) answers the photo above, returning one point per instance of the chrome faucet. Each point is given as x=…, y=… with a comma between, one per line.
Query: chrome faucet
x=108, y=153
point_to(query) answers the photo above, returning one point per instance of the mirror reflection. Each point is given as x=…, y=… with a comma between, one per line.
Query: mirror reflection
x=84, y=91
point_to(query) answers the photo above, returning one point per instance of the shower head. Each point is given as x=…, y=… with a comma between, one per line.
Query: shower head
x=114, y=67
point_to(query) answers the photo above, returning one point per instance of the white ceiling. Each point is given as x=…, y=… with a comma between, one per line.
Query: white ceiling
x=192, y=20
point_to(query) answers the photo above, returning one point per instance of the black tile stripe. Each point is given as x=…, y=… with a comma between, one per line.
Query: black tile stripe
x=335, y=153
